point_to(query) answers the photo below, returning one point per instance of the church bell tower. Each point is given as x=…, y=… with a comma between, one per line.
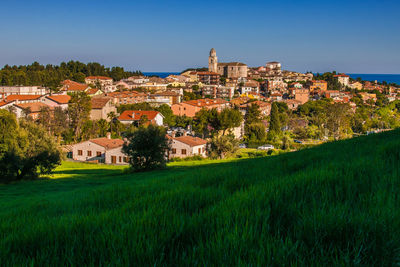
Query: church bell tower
x=213, y=61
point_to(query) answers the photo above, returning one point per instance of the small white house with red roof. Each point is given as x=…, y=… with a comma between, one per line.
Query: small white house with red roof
x=134, y=116
x=100, y=150
x=187, y=146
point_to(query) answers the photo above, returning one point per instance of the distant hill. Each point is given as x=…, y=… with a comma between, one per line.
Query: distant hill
x=195, y=69
x=336, y=204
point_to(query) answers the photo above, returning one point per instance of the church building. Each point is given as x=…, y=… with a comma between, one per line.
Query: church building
x=231, y=70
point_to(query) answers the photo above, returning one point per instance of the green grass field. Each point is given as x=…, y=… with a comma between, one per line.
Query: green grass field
x=336, y=204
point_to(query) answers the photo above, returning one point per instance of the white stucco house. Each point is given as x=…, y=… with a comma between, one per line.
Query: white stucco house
x=187, y=146
x=100, y=150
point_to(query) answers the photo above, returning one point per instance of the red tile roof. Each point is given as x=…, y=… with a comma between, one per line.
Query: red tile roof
x=23, y=97
x=190, y=140
x=167, y=93
x=74, y=86
x=34, y=107
x=107, y=143
x=206, y=102
x=4, y=102
x=99, y=102
x=60, y=99
x=134, y=115
x=92, y=91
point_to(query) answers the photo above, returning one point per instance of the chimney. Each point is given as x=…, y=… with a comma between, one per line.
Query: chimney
x=184, y=133
x=173, y=134
x=108, y=135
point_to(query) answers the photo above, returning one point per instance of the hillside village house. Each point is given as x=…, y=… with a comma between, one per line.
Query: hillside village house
x=102, y=80
x=275, y=83
x=187, y=146
x=94, y=92
x=137, y=79
x=343, y=79
x=208, y=77
x=301, y=95
x=192, y=75
x=191, y=107
x=134, y=116
x=23, y=90
x=264, y=107
x=22, y=99
x=101, y=107
x=74, y=87
x=30, y=109
x=12, y=100
x=356, y=85
x=318, y=85
x=100, y=150
x=127, y=97
x=250, y=87
x=172, y=97
x=57, y=101
x=292, y=104
x=6, y=104
x=218, y=91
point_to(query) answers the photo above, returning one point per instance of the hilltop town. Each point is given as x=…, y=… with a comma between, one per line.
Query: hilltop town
x=302, y=108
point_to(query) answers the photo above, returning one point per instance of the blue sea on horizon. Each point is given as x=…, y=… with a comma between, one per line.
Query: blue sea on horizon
x=389, y=78
x=160, y=74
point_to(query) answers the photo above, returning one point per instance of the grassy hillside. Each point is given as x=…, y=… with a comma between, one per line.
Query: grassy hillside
x=337, y=204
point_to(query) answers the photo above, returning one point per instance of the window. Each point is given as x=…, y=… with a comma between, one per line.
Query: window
x=199, y=150
x=183, y=152
x=125, y=159
x=113, y=159
x=89, y=153
x=80, y=153
x=120, y=159
x=98, y=154
x=174, y=151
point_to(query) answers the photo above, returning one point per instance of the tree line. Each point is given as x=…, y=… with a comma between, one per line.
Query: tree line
x=51, y=75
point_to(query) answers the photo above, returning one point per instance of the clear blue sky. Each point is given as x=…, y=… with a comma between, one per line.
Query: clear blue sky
x=348, y=36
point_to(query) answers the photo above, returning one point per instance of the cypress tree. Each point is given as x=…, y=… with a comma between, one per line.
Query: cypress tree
x=274, y=123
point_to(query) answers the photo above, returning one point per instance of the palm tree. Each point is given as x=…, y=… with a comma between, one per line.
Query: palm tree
x=112, y=116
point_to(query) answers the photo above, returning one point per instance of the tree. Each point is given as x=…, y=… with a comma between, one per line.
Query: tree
x=112, y=116
x=59, y=123
x=26, y=149
x=147, y=148
x=183, y=121
x=103, y=127
x=229, y=118
x=253, y=114
x=274, y=122
x=201, y=121
x=338, y=120
x=255, y=134
x=166, y=111
x=50, y=76
x=79, y=112
x=223, y=146
x=143, y=120
x=45, y=118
